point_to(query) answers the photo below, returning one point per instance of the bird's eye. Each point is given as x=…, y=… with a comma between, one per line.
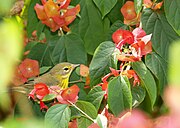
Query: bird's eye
x=66, y=69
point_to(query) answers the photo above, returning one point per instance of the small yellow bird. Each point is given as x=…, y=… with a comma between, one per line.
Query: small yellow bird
x=58, y=75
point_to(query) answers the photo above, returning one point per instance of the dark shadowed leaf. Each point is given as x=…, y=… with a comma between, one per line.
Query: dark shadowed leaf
x=58, y=116
x=147, y=80
x=158, y=67
x=115, y=13
x=119, y=95
x=69, y=48
x=91, y=27
x=172, y=11
x=162, y=32
x=105, y=6
x=39, y=28
x=75, y=113
x=33, y=22
x=41, y=53
x=102, y=60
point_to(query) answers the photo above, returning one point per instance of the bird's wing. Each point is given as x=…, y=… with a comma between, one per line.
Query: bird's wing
x=47, y=78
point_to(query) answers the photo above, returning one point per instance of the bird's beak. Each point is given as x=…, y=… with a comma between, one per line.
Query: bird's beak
x=75, y=65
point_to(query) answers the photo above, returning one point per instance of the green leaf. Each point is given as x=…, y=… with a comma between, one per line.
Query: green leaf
x=91, y=27
x=172, y=11
x=30, y=45
x=102, y=60
x=138, y=5
x=147, y=80
x=75, y=113
x=105, y=6
x=32, y=21
x=58, y=116
x=36, y=110
x=42, y=53
x=162, y=32
x=95, y=96
x=90, y=110
x=44, y=69
x=115, y=13
x=138, y=95
x=49, y=97
x=39, y=28
x=119, y=95
x=158, y=66
x=69, y=48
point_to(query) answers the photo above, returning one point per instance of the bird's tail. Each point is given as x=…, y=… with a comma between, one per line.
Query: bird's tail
x=25, y=88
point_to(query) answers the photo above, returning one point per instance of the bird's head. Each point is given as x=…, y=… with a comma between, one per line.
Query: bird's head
x=64, y=69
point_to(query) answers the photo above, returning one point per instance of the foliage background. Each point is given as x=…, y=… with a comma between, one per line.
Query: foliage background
x=90, y=43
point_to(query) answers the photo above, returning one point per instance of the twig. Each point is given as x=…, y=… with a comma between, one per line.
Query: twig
x=77, y=81
x=81, y=111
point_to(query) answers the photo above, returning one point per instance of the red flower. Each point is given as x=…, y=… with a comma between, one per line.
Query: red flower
x=43, y=106
x=69, y=94
x=131, y=46
x=132, y=74
x=128, y=10
x=94, y=125
x=73, y=124
x=56, y=16
x=29, y=68
x=152, y=5
x=40, y=90
x=104, y=83
x=18, y=78
x=121, y=37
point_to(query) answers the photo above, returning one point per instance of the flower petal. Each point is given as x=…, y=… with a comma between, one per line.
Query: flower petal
x=146, y=38
x=63, y=3
x=128, y=10
x=51, y=9
x=43, y=106
x=138, y=33
x=70, y=14
x=125, y=57
x=50, y=23
x=123, y=35
x=18, y=78
x=40, y=12
x=147, y=49
x=41, y=90
x=29, y=68
x=70, y=93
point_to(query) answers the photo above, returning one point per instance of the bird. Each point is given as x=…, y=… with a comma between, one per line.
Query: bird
x=57, y=76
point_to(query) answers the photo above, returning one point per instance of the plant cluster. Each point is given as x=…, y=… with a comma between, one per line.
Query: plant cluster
x=122, y=47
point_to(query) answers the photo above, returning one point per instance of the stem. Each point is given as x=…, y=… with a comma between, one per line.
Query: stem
x=60, y=32
x=81, y=111
x=76, y=81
